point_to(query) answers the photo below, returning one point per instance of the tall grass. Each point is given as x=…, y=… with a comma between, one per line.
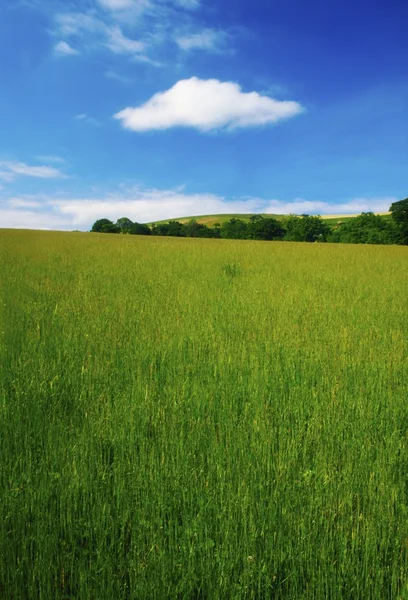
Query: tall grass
x=202, y=419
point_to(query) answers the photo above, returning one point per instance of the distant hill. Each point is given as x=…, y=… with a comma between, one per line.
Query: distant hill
x=211, y=220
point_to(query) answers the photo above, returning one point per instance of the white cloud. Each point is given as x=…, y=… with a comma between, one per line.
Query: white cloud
x=355, y=206
x=116, y=4
x=22, y=203
x=29, y=219
x=120, y=44
x=189, y=4
x=19, y=168
x=118, y=77
x=74, y=24
x=93, y=32
x=64, y=49
x=86, y=119
x=207, y=39
x=7, y=176
x=150, y=205
x=206, y=105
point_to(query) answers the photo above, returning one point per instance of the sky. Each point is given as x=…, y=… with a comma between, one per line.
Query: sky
x=156, y=109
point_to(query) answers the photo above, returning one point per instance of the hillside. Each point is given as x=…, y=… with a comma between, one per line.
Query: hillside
x=211, y=220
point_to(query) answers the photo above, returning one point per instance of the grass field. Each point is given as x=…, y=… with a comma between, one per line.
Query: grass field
x=202, y=419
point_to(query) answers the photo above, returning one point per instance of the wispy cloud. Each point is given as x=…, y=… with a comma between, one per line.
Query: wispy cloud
x=22, y=203
x=188, y=4
x=86, y=119
x=76, y=24
x=91, y=31
x=206, y=105
x=353, y=206
x=117, y=4
x=7, y=176
x=118, y=77
x=120, y=44
x=208, y=39
x=137, y=28
x=12, y=169
x=144, y=205
x=64, y=49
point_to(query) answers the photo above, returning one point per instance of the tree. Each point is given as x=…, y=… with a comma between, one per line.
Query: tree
x=125, y=225
x=172, y=228
x=140, y=229
x=197, y=230
x=367, y=228
x=105, y=226
x=306, y=229
x=399, y=213
x=216, y=230
x=265, y=228
x=235, y=229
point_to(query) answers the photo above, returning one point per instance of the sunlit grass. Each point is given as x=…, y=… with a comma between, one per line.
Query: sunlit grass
x=191, y=419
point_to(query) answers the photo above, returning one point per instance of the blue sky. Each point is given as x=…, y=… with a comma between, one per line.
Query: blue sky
x=155, y=109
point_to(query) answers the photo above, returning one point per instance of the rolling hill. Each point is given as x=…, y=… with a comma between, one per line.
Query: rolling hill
x=211, y=220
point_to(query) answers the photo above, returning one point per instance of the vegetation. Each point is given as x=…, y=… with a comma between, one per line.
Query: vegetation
x=186, y=418
x=366, y=228
x=399, y=212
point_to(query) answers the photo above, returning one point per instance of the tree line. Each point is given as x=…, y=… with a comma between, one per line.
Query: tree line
x=366, y=228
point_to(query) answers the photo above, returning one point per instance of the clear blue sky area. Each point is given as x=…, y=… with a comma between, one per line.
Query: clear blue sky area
x=155, y=109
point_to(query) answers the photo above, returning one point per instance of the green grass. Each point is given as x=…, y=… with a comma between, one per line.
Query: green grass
x=209, y=419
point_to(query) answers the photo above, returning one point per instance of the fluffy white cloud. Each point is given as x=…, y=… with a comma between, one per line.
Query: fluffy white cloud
x=207, y=39
x=206, y=105
x=64, y=49
x=48, y=212
x=12, y=169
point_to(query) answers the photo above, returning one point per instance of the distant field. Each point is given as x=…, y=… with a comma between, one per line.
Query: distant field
x=202, y=419
x=211, y=220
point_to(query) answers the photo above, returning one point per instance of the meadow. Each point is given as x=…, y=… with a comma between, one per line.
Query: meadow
x=202, y=419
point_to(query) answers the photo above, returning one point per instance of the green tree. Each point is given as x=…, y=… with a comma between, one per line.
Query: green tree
x=367, y=228
x=234, y=229
x=399, y=213
x=265, y=228
x=172, y=228
x=199, y=230
x=306, y=229
x=125, y=225
x=140, y=229
x=105, y=226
